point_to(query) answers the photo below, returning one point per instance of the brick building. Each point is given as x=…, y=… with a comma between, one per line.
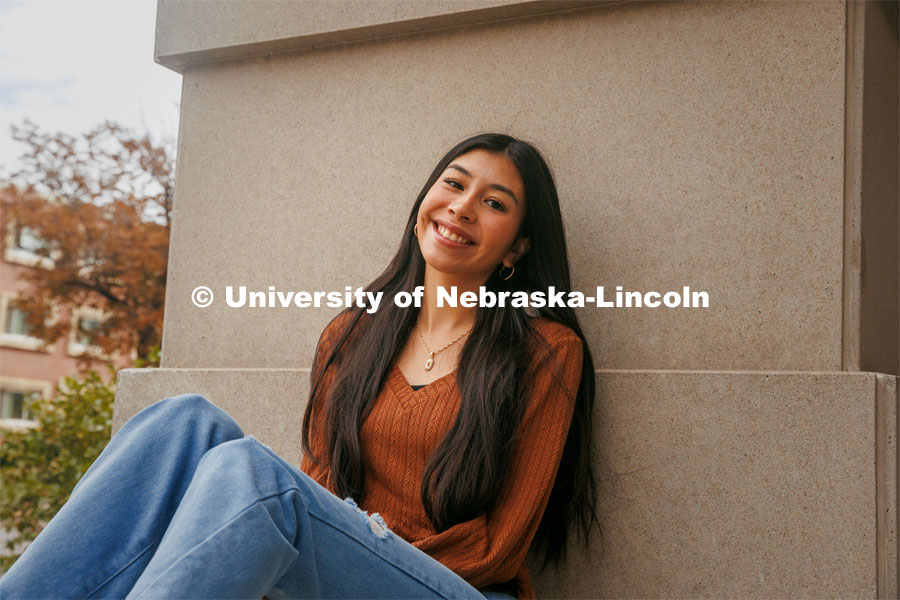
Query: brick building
x=26, y=365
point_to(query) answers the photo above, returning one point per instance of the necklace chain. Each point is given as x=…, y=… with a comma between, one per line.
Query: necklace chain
x=430, y=362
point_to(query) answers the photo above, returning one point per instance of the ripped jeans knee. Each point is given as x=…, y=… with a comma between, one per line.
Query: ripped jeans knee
x=375, y=522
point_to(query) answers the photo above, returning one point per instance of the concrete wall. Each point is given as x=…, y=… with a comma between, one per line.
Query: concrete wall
x=880, y=192
x=703, y=158
x=747, y=449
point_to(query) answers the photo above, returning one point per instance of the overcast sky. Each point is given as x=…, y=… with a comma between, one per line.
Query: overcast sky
x=69, y=65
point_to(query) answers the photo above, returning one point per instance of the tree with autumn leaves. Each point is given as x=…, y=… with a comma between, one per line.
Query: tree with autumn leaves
x=100, y=207
x=101, y=204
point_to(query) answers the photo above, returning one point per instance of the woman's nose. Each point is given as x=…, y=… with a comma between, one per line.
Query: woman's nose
x=462, y=207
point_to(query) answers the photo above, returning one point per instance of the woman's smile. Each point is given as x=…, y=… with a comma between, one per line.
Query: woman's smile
x=449, y=238
x=477, y=204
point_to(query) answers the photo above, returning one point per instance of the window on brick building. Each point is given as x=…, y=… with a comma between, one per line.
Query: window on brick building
x=85, y=327
x=25, y=238
x=12, y=404
x=15, y=322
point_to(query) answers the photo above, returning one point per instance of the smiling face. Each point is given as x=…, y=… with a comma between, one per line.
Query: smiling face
x=469, y=219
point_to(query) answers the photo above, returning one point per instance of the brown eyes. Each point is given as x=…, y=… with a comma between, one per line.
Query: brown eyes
x=492, y=202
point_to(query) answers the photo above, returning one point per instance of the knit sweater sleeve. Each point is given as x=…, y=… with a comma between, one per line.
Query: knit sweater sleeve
x=491, y=548
x=320, y=471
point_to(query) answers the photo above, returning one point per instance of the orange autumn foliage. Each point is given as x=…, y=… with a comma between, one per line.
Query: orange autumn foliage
x=102, y=206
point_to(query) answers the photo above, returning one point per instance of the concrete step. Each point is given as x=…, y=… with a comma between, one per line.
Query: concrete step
x=713, y=483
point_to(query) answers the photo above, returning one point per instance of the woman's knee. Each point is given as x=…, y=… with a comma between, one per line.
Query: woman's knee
x=197, y=412
x=247, y=457
x=186, y=402
x=243, y=450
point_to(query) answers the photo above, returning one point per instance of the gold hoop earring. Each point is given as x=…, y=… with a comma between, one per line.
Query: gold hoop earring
x=512, y=270
x=416, y=230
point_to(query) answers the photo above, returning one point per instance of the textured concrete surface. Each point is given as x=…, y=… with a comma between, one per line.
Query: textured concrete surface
x=713, y=484
x=195, y=32
x=880, y=194
x=710, y=157
x=887, y=478
x=871, y=319
x=734, y=485
x=734, y=147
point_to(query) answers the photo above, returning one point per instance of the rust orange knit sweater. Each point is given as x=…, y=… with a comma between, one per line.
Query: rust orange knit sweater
x=406, y=425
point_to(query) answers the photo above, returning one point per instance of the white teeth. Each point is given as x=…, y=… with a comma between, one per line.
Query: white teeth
x=451, y=236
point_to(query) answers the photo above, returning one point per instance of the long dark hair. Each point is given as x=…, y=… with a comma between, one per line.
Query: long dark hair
x=464, y=475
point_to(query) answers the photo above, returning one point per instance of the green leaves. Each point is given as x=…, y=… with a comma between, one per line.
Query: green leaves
x=40, y=466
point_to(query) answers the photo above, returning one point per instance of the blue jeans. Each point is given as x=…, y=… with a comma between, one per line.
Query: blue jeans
x=180, y=504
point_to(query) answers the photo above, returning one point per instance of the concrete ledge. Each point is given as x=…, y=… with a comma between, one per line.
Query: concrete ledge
x=780, y=484
x=192, y=33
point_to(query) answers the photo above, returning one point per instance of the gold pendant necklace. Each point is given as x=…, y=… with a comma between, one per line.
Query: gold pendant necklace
x=430, y=362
